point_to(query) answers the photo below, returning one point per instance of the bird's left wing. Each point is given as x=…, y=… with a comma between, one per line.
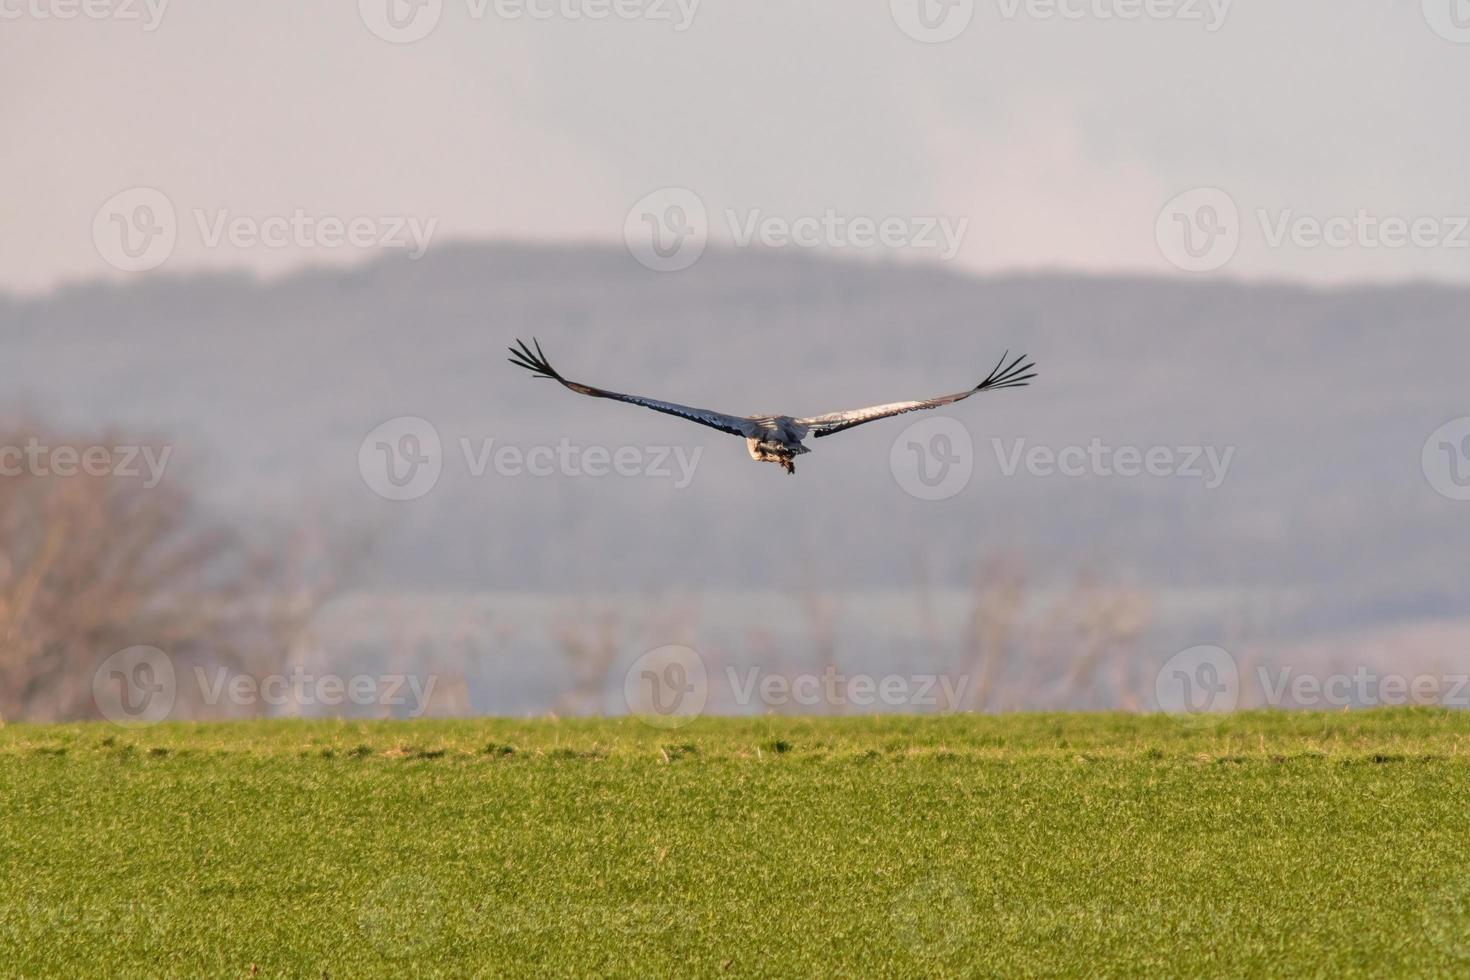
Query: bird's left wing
x=1013, y=375
x=537, y=364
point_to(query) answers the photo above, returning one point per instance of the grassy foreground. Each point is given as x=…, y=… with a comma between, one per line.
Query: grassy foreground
x=1268, y=844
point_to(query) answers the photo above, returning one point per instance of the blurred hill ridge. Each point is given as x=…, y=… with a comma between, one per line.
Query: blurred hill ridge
x=266, y=388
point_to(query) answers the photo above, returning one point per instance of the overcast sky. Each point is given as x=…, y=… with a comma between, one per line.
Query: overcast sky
x=1043, y=133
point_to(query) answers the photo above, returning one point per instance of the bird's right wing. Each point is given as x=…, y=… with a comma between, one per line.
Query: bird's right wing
x=1014, y=375
x=537, y=364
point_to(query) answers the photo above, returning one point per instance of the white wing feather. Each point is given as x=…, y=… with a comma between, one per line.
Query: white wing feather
x=1003, y=376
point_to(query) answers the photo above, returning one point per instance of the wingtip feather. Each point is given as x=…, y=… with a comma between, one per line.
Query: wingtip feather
x=1008, y=373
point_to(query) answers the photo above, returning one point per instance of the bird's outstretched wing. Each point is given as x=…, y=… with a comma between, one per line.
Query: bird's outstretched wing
x=1013, y=375
x=537, y=364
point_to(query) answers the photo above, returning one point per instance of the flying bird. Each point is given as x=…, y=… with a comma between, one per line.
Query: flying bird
x=777, y=438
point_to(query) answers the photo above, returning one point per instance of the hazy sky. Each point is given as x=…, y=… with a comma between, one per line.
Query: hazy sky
x=1044, y=133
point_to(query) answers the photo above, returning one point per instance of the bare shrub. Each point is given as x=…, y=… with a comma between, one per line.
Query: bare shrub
x=1077, y=651
x=1000, y=600
x=91, y=564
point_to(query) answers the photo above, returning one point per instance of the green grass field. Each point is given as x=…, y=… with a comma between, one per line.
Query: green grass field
x=1268, y=844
